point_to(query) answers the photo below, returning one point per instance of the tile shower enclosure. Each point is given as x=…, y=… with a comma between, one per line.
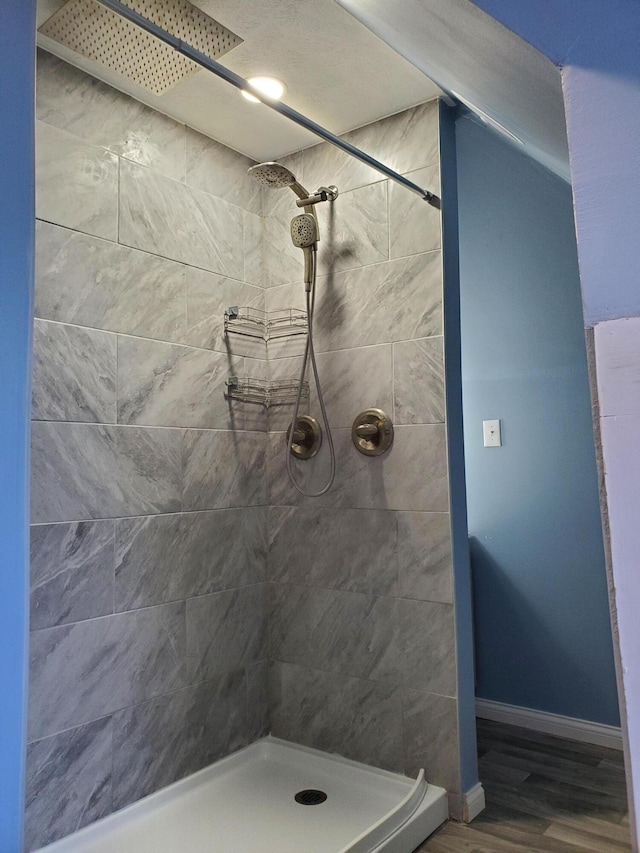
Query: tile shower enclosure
x=185, y=600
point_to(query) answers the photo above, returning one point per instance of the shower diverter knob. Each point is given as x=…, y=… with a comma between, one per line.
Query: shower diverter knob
x=307, y=437
x=372, y=432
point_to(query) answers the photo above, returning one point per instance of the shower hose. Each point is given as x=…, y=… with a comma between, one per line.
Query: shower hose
x=310, y=355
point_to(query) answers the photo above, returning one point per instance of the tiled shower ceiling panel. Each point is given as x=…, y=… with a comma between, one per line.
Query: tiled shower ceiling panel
x=95, y=32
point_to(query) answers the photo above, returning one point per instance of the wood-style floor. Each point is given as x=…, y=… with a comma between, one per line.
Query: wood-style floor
x=543, y=793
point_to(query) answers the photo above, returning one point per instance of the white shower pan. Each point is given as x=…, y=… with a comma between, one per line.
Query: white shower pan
x=246, y=802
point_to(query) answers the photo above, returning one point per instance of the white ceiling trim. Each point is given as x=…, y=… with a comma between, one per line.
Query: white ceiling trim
x=489, y=68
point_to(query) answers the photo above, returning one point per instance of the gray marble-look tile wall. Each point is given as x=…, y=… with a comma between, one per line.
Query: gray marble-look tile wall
x=361, y=631
x=405, y=142
x=72, y=575
x=103, y=285
x=169, y=218
x=150, y=530
x=77, y=183
x=328, y=555
x=83, y=471
x=384, y=303
x=82, y=774
x=153, y=538
x=208, y=297
x=163, y=558
x=74, y=374
x=82, y=671
x=69, y=782
x=411, y=476
x=71, y=100
x=170, y=385
x=355, y=717
x=221, y=172
x=228, y=630
x=162, y=740
x=353, y=233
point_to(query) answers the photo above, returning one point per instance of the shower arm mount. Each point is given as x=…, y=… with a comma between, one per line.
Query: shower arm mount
x=240, y=83
x=321, y=194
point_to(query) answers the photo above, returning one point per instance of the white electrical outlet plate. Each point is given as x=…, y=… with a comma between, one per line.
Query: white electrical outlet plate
x=491, y=433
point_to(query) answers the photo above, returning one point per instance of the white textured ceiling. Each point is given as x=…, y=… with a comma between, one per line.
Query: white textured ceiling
x=336, y=70
x=487, y=66
x=349, y=62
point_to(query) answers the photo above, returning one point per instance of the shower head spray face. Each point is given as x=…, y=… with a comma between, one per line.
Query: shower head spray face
x=272, y=175
x=304, y=231
x=276, y=176
x=304, y=228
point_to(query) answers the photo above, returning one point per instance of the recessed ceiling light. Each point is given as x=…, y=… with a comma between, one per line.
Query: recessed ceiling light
x=269, y=86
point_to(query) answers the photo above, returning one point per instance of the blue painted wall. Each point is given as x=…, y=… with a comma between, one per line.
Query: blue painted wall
x=595, y=44
x=543, y=637
x=17, y=58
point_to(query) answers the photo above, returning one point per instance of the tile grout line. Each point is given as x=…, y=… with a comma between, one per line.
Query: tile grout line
x=135, y=249
x=118, y=203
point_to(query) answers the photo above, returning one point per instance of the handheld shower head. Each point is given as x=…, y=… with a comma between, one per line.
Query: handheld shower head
x=276, y=176
x=304, y=230
x=304, y=233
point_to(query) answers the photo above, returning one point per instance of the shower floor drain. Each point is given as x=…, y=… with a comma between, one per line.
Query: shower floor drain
x=310, y=797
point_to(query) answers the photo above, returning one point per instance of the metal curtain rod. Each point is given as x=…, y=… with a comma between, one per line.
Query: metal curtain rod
x=240, y=83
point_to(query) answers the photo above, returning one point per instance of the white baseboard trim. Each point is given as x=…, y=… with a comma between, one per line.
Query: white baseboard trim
x=463, y=808
x=473, y=803
x=552, y=724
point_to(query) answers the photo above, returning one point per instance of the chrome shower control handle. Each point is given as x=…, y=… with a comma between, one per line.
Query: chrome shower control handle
x=372, y=432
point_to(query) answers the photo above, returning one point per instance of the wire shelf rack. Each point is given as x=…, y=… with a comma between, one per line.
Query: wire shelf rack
x=267, y=325
x=268, y=392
